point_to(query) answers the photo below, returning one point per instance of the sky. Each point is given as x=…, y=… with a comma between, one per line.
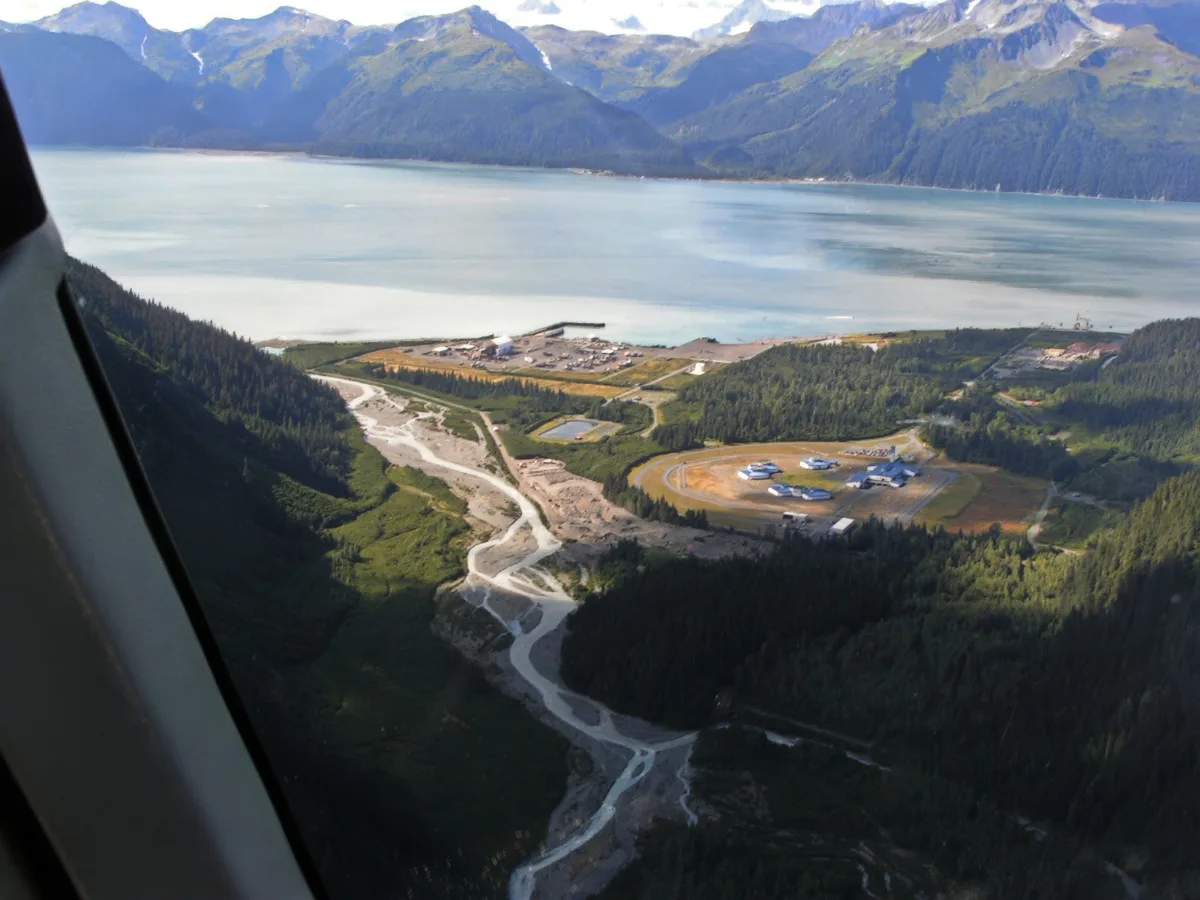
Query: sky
x=658, y=16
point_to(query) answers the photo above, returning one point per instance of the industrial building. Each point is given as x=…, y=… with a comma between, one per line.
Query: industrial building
x=801, y=493
x=754, y=475
x=769, y=467
x=893, y=474
x=815, y=463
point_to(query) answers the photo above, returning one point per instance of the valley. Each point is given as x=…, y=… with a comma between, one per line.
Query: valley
x=827, y=708
x=844, y=545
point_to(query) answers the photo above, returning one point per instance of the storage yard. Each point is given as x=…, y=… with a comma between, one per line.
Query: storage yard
x=556, y=355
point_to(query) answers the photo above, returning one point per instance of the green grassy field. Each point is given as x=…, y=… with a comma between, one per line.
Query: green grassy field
x=1074, y=525
x=950, y=503
x=309, y=356
x=828, y=479
x=646, y=371
x=460, y=423
x=613, y=456
x=676, y=382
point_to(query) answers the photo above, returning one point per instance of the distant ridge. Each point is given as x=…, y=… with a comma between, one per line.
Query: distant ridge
x=1068, y=96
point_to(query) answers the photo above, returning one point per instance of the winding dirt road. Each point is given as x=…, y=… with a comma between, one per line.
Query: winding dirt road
x=554, y=604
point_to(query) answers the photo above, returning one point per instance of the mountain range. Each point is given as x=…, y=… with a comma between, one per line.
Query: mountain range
x=1072, y=96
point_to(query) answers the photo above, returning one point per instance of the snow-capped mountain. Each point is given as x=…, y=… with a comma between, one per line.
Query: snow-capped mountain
x=714, y=18
x=749, y=13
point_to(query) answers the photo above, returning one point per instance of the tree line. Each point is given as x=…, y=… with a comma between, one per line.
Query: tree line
x=832, y=392
x=618, y=490
x=296, y=419
x=1148, y=401
x=988, y=434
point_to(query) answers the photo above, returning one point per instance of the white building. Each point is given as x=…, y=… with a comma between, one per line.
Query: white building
x=815, y=463
x=503, y=345
x=698, y=369
x=842, y=526
x=815, y=494
x=779, y=490
x=754, y=475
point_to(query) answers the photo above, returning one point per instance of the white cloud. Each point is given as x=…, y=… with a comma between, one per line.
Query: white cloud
x=660, y=16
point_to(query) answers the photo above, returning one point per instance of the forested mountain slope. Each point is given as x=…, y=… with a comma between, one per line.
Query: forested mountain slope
x=457, y=92
x=1060, y=689
x=1041, y=96
x=463, y=87
x=76, y=89
x=316, y=566
x=1072, y=96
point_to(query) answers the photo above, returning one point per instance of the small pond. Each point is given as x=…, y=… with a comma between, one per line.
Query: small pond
x=568, y=431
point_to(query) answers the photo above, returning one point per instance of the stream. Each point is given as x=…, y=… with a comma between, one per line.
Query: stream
x=555, y=605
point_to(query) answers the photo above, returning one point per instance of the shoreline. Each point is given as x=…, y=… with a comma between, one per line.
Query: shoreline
x=760, y=180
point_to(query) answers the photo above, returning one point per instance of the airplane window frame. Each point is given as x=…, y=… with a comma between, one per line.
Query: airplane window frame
x=119, y=721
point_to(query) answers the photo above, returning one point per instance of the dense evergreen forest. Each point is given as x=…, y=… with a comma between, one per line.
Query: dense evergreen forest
x=828, y=392
x=987, y=433
x=1059, y=688
x=1115, y=430
x=1148, y=402
x=317, y=566
x=292, y=417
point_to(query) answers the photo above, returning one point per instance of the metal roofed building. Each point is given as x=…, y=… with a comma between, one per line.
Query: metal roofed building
x=754, y=475
x=815, y=463
x=893, y=474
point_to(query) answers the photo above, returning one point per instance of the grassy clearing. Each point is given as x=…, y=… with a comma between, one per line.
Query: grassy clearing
x=1125, y=480
x=559, y=375
x=576, y=388
x=460, y=424
x=612, y=456
x=309, y=356
x=677, y=382
x=949, y=504
x=1075, y=525
x=647, y=371
x=1003, y=498
x=830, y=478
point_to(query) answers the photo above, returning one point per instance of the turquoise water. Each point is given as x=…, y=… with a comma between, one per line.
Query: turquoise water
x=294, y=247
x=568, y=431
